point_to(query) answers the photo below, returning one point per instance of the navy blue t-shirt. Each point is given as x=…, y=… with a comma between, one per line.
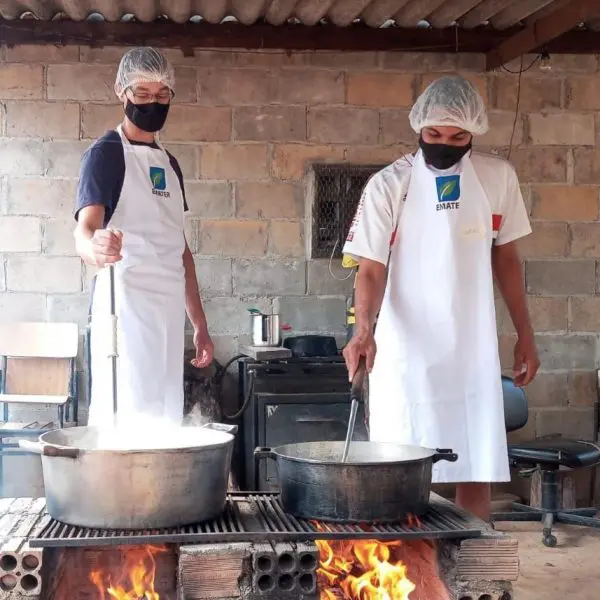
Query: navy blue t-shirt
x=102, y=173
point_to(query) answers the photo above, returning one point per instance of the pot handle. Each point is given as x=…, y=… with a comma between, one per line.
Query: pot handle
x=262, y=452
x=33, y=447
x=444, y=454
x=49, y=450
x=221, y=427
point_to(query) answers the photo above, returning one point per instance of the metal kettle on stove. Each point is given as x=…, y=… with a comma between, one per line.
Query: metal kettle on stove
x=266, y=330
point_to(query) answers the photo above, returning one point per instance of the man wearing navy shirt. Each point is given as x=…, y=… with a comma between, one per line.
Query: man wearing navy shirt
x=129, y=212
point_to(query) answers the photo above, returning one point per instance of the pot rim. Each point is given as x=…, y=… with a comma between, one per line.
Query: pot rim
x=338, y=463
x=113, y=451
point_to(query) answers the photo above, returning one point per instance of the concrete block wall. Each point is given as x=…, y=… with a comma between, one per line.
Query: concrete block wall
x=245, y=126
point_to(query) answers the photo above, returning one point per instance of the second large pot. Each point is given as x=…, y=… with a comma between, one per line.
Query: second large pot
x=378, y=483
x=90, y=485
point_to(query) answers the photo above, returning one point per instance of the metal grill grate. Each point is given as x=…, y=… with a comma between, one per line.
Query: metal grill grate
x=258, y=518
x=337, y=191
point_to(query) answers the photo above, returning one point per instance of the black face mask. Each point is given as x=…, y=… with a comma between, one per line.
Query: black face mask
x=442, y=156
x=148, y=117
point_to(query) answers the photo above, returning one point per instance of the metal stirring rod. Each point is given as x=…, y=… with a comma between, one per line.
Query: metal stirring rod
x=113, y=350
x=356, y=393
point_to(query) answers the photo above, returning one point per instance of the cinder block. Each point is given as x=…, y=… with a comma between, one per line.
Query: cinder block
x=565, y=203
x=380, y=89
x=214, y=276
x=322, y=283
x=42, y=197
x=547, y=240
x=562, y=129
x=540, y=165
x=209, y=199
x=584, y=93
x=68, y=307
x=21, y=82
x=268, y=201
x=43, y=274
x=240, y=162
x=58, y=237
x=269, y=277
x=234, y=87
x=395, y=127
x=291, y=161
x=537, y=93
x=567, y=352
x=501, y=125
x=229, y=315
x=83, y=82
x=264, y=558
x=310, y=86
x=343, y=125
x=198, y=123
x=286, y=238
x=22, y=158
x=42, y=119
x=97, y=119
x=232, y=238
x=269, y=123
x=22, y=307
x=560, y=277
x=313, y=314
x=63, y=158
x=587, y=165
x=585, y=240
x=20, y=234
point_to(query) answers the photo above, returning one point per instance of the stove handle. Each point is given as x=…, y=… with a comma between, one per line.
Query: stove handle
x=232, y=429
x=319, y=420
x=444, y=454
x=262, y=452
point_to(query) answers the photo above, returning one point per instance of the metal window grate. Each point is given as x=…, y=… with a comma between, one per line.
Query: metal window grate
x=337, y=191
x=259, y=518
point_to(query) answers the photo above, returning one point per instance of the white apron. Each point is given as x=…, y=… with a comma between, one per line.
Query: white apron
x=150, y=297
x=436, y=380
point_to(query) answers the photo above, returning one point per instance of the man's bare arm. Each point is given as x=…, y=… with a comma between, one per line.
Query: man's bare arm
x=193, y=303
x=508, y=272
x=94, y=244
x=368, y=294
x=506, y=265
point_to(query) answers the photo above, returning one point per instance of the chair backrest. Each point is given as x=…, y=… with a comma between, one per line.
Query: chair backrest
x=516, y=409
x=38, y=358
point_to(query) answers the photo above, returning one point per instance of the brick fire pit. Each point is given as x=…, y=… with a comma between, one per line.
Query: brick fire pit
x=254, y=551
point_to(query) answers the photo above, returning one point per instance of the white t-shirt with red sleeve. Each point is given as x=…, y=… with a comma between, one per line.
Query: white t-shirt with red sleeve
x=373, y=229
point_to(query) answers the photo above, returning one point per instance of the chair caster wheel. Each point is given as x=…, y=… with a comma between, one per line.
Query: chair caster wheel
x=550, y=541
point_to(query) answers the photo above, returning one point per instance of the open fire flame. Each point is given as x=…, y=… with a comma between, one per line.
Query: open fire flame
x=379, y=570
x=136, y=580
x=362, y=570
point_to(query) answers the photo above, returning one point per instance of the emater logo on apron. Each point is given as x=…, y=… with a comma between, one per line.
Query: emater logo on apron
x=159, y=182
x=448, y=192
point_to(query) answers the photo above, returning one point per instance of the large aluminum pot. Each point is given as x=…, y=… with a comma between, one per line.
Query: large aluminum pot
x=377, y=483
x=151, y=488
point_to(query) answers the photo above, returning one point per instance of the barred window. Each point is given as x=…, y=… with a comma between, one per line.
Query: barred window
x=337, y=191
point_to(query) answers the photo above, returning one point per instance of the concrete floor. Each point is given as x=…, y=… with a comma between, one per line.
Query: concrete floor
x=571, y=570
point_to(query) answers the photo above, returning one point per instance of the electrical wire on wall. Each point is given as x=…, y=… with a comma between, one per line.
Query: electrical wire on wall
x=519, y=73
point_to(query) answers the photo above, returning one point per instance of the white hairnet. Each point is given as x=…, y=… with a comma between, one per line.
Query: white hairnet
x=140, y=65
x=453, y=101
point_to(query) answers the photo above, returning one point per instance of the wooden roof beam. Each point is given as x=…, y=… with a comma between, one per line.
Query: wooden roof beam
x=542, y=32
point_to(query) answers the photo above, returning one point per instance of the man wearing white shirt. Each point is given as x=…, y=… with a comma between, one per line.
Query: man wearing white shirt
x=431, y=232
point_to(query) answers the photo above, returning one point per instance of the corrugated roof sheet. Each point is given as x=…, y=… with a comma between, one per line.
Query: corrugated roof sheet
x=500, y=14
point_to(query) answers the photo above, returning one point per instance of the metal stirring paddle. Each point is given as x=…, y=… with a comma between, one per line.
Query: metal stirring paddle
x=356, y=393
x=113, y=354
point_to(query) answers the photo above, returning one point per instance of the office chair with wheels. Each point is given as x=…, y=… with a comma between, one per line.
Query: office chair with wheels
x=547, y=455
